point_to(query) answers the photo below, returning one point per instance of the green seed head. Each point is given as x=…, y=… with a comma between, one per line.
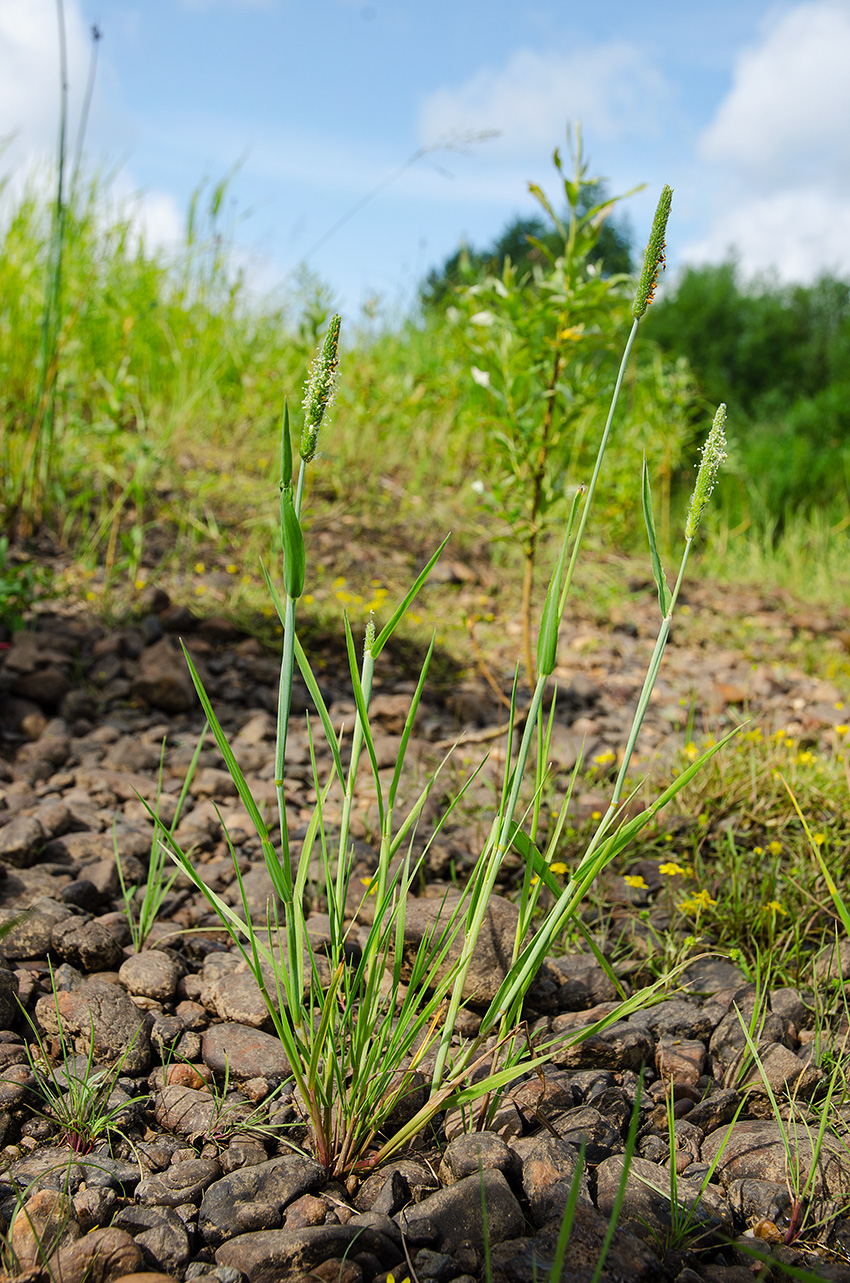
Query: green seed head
x=653, y=260
x=713, y=454
x=320, y=390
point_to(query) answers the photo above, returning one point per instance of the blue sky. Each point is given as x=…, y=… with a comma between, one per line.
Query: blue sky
x=743, y=106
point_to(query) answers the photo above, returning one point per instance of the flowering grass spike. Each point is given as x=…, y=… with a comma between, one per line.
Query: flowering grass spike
x=321, y=390
x=653, y=260
x=713, y=454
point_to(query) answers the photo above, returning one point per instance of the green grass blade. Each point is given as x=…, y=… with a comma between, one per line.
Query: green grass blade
x=657, y=568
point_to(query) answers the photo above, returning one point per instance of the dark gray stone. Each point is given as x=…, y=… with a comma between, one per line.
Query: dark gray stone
x=180, y=1183
x=270, y=1256
x=549, y=1167
x=245, y=1052
x=474, y=1152
x=646, y=1206
x=160, y=1233
x=100, y=1016
x=457, y=1211
x=21, y=841
x=86, y=945
x=254, y=1198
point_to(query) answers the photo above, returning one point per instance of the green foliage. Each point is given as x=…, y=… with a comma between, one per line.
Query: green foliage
x=525, y=242
x=782, y=355
x=21, y=581
x=541, y=350
x=154, y=354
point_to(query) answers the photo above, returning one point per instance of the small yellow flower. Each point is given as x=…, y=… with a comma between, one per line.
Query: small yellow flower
x=231, y=569
x=774, y=907
x=842, y=728
x=668, y=837
x=819, y=839
x=139, y=585
x=775, y=847
x=602, y=759
x=805, y=758
x=691, y=750
x=671, y=869
x=200, y=590
x=199, y=567
x=559, y=867
x=637, y=882
x=698, y=901
x=839, y=705
x=789, y=743
x=758, y=850
x=596, y=815
x=367, y=883
x=246, y=579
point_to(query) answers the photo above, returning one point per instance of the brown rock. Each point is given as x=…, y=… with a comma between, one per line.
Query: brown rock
x=151, y=974
x=180, y=1183
x=491, y=957
x=456, y=1211
x=756, y=1150
x=146, y=1276
x=188, y=1111
x=269, y=1256
x=101, y=1016
x=45, y=1222
x=21, y=841
x=244, y=1052
x=163, y=679
x=47, y=687
x=621, y=1045
x=647, y=1201
x=89, y=946
x=103, y=1256
x=680, y=1060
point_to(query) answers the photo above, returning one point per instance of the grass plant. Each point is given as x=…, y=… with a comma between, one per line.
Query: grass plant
x=76, y=1097
x=142, y=913
x=360, y=1041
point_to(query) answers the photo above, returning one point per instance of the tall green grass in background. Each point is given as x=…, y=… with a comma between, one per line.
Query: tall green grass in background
x=165, y=368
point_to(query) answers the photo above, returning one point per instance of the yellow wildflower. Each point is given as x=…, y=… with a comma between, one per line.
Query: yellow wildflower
x=637, y=882
x=698, y=901
x=671, y=869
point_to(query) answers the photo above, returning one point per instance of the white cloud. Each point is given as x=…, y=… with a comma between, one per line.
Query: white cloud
x=776, y=156
x=797, y=233
x=787, y=116
x=157, y=219
x=29, y=77
x=612, y=89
